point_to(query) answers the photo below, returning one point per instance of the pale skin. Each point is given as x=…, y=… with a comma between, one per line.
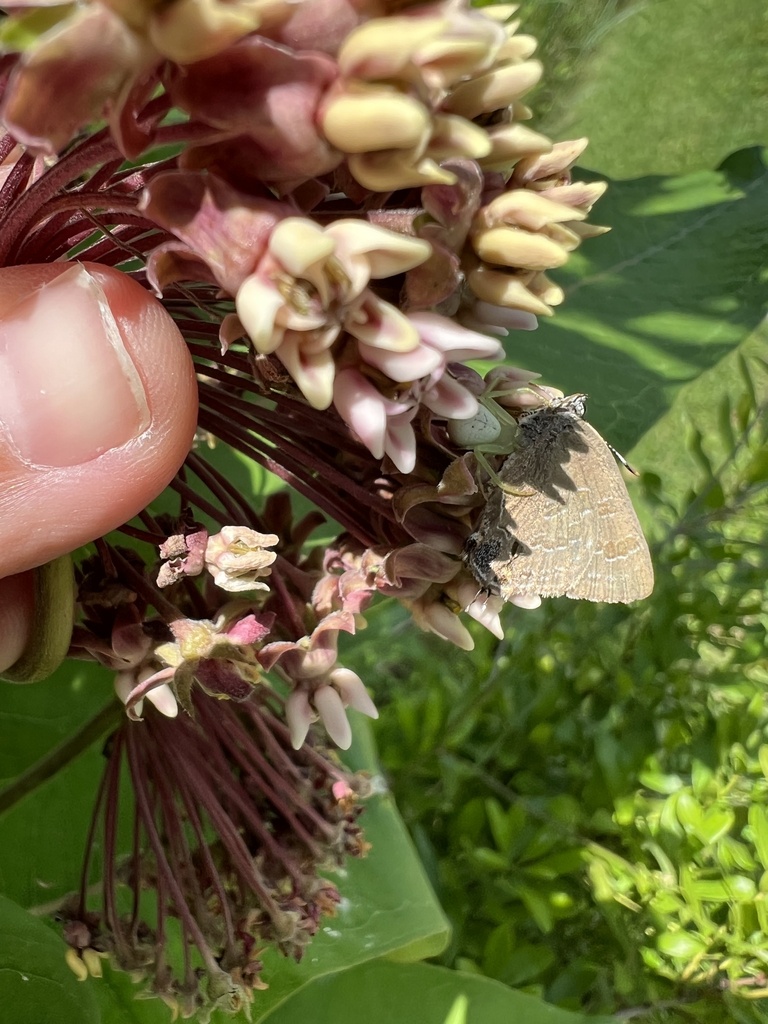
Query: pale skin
x=98, y=407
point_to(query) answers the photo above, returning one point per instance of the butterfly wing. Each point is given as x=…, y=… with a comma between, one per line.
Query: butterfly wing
x=580, y=539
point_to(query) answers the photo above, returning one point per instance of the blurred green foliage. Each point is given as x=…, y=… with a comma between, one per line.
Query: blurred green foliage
x=658, y=86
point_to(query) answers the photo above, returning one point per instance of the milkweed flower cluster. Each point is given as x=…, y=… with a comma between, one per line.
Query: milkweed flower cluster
x=340, y=206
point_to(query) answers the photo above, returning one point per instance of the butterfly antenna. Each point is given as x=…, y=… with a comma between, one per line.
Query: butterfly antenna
x=620, y=458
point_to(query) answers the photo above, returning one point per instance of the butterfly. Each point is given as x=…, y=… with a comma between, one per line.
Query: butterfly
x=559, y=520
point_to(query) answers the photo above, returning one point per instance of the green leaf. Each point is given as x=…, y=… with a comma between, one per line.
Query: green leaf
x=680, y=945
x=384, y=993
x=44, y=834
x=36, y=985
x=388, y=907
x=687, y=77
x=659, y=782
x=526, y=963
x=758, y=823
x=22, y=32
x=501, y=824
x=693, y=404
x=676, y=286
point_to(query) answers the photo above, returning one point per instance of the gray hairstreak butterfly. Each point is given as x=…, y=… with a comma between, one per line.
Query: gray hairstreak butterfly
x=559, y=520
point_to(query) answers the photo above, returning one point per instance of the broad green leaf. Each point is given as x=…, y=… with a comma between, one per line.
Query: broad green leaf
x=36, y=985
x=662, y=446
x=675, y=287
x=44, y=832
x=385, y=993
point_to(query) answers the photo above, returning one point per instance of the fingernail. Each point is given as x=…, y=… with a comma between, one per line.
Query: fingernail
x=69, y=389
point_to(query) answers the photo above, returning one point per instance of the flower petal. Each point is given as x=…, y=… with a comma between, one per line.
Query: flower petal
x=164, y=700
x=257, y=305
x=299, y=716
x=457, y=343
x=450, y=399
x=313, y=372
x=363, y=408
x=330, y=708
x=353, y=692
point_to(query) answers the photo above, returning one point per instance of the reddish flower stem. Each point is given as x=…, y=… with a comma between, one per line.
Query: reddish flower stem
x=258, y=769
x=91, y=837
x=288, y=764
x=292, y=617
x=154, y=539
x=164, y=872
x=192, y=498
x=274, y=727
x=311, y=476
x=180, y=855
x=193, y=816
x=236, y=509
x=135, y=867
x=94, y=150
x=151, y=594
x=192, y=776
x=16, y=180
x=111, y=815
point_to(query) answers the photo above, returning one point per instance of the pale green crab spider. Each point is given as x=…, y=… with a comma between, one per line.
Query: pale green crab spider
x=491, y=431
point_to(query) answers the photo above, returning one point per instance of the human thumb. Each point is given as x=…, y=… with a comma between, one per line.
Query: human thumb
x=98, y=406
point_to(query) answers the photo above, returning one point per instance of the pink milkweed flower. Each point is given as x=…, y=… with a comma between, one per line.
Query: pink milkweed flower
x=312, y=284
x=219, y=656
x=322, y=688
x=483, y=608
x=237, y=558
x=261, y=101
x=384, y=422
x=161, y=696
x=327, y=702
x=432, y=613
x=387, y=112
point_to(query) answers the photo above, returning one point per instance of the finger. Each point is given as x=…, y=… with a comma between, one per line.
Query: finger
x=16, y=616
x=98, y=406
